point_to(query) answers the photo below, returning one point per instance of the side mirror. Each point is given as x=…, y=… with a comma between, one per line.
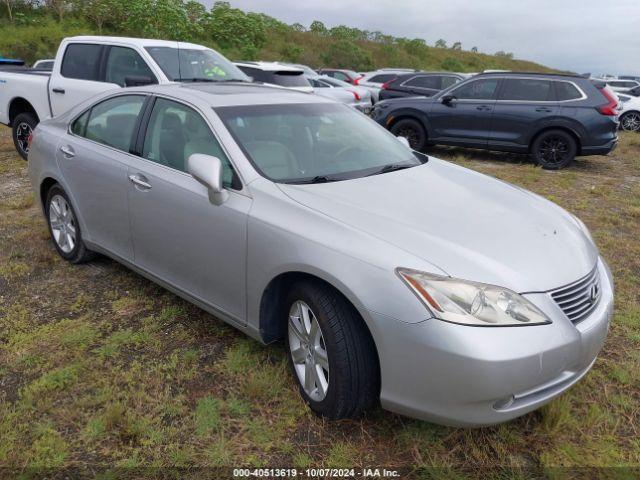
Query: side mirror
x=207, y=170
x=138, y=80
x=448, y=99
x=404, y=141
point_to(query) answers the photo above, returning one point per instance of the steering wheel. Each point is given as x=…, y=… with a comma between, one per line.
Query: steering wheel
x=346, y=149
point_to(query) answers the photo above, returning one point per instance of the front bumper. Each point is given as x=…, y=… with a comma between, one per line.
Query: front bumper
x=475, y=376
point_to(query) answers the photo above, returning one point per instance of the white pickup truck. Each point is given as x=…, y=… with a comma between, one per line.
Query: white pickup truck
x=88, y=65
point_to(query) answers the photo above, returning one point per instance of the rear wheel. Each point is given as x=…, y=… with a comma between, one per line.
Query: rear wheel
x=330, y=352
x=64, y=227
x=630, y=122
x=23, y=126
x=413, y=131
x=554, y=149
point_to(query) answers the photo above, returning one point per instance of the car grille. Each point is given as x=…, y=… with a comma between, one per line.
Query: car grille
x=580, y=298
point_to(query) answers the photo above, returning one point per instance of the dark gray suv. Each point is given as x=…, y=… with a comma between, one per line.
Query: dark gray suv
x=553, y=117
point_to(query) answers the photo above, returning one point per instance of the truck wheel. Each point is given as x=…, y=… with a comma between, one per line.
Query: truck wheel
x=331, y=353
x=23, y=126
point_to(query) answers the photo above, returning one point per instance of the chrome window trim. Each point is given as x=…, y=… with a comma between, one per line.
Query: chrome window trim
x=583, y=95
x=243, y=191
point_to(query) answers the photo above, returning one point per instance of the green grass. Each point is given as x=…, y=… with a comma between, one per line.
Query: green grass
x=100, y=368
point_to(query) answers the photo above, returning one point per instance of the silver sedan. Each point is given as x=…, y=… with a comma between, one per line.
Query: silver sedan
x=393, y=277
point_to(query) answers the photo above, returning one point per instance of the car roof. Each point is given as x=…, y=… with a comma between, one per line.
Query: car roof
x=528, y=74
x=270, y=66
x=225, y=94
x=138, y=42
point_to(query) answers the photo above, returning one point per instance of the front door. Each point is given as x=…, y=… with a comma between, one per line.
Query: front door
x=94, y=159
x=466, y=118
x=178, y=234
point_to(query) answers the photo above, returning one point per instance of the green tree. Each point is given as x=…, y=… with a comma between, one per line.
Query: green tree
x=345, y=54
x=318, y=28
x=232, y=28
x=456, y=46
x=474, y=49
x=441, y=43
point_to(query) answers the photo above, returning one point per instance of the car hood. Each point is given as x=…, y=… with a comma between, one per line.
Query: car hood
x=469, y=225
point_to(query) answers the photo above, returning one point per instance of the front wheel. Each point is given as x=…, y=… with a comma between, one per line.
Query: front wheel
x=630, y=122
x=413, y=131
x=554, y=149
x=330, y=352
x=23, y=126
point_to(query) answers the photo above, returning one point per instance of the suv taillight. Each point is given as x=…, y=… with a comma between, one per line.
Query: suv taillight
x=355, y=95
x=385, y=85
x=611, y=108
x=356, y=81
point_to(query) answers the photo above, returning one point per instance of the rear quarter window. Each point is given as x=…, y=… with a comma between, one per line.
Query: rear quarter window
x=527, y=90
x=567, y=91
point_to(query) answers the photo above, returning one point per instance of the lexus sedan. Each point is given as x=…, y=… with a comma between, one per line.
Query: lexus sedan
x=392, y=277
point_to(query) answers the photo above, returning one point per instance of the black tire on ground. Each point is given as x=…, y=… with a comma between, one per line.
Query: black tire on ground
x=413, y=131
x=554, y=149
x=80, y=253
x=354, y=378
x=23, y=126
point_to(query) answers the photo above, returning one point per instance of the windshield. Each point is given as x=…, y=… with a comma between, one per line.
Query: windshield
x=314, y=143
x=183, y=64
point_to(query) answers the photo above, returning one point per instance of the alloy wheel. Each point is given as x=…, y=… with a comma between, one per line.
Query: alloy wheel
x=554, y=150
x=411, y=135
x=63, y=223
x=631, y=122
x=23, y=135
x=308, y=351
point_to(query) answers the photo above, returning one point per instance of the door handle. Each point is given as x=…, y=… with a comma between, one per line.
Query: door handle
x=485, y=108
x=58, y=90
x=543, y=109
x=140, y=182
x=67, y=151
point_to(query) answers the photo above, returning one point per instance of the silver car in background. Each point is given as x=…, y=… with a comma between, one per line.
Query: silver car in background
x=357, y=97
x=393, y=277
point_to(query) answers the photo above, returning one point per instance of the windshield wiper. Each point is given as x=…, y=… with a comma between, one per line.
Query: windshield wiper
x=394, y=167
x=317, y=179
x=195, y=80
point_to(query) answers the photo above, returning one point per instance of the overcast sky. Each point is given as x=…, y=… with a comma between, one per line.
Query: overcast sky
x=598, y=36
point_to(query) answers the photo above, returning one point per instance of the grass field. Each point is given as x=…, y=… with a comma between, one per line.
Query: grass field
x=100, y=368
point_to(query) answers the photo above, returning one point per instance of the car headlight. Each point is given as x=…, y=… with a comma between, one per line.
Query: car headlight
x=471, y=303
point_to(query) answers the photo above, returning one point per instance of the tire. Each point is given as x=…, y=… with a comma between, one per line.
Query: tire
x=57, y=209
x=23, y=126
x=630, y=122
x=554, y=149
x=352, y=375
x=413, y=131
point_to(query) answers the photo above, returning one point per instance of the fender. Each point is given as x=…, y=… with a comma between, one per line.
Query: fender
x=413, y=112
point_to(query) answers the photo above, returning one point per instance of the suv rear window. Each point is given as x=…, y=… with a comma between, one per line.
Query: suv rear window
x=424, y=81
x=81, y=61
x=527, y=89
x=567, y=91
x=382, y=78
x=288, y=79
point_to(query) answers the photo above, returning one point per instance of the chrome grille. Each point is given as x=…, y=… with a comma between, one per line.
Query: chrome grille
x=580, y=298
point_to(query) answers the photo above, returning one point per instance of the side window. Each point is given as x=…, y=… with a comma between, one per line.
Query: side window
x=79, y=126
x=447, y=81
x=81, y=61
x=527, y=89
x=477, y=90
x=567, y=91
x=340, y=76
x=424, y=81
x=125, y=62
x=382, y=78
x=176, y=132
x=113, y=121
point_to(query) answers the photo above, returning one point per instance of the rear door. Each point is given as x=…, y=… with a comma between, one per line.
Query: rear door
x=426, y=85
x=94, y=158
x=466, y=119
x=524, y=106
x=179, y=235
x=77, y=77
